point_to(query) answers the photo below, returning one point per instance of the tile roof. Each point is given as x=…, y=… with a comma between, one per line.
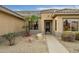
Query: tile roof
x=61, y=11
x=49, y=11
x=67, y=11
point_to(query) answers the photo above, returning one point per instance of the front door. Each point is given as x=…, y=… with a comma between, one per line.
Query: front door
x=48, y=26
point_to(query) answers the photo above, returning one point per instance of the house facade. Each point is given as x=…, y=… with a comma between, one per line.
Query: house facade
x=56, y=21
x=10, y=21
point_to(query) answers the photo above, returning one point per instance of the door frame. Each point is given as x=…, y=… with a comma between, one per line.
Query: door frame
x=50, y=26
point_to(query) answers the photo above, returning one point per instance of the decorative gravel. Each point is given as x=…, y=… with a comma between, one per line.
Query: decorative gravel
x=73, y=47
x=24, y=45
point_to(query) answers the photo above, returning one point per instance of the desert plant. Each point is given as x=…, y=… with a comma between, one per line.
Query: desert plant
x=27, y=31
x=77, y=35
x=26, y=26
x=29, y=20
x=68, y=36
x=10, y=38
x=34, y=21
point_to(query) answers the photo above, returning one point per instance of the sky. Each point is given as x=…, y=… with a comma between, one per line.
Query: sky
x=39, y=7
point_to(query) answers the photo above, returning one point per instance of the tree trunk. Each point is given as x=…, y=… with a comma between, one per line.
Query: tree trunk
x=12, y=42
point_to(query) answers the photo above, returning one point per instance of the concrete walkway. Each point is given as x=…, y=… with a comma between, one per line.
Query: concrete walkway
x=54, y=46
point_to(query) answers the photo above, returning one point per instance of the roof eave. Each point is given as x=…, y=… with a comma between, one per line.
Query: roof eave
x=4, y=9
x=60, y=14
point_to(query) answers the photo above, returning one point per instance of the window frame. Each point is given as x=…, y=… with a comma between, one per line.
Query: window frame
x=55, y=25
x=71, y=20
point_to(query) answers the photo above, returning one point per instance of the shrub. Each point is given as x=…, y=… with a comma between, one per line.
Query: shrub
x=77, y=35
x=10, y=38
x=68, y=36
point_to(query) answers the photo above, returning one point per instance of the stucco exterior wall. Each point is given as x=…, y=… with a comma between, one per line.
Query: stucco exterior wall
x=59, y=24
x=45, y=16
x=71, y=16
x=10, y=23
x=60, y=20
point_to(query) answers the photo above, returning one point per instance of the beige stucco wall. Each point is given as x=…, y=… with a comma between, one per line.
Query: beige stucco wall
x=44, y=16
x=60, y=20
x=59, y=24
x=71, y=16
x=10, y=23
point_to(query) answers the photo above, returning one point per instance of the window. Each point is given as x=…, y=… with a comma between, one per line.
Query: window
x=70, y=25
x=74, y=26
x=66, y=25
x=55, y=24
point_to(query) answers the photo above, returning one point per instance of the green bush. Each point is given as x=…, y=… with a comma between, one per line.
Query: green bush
x=10, y=37
x=77, y=35
x=68, y=36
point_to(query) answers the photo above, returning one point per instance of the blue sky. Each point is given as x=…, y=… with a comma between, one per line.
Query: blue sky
x=39, y=7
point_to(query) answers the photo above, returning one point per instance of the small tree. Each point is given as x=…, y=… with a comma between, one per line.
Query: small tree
x=28, y=20
x=34, y=19
x=26, y=26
